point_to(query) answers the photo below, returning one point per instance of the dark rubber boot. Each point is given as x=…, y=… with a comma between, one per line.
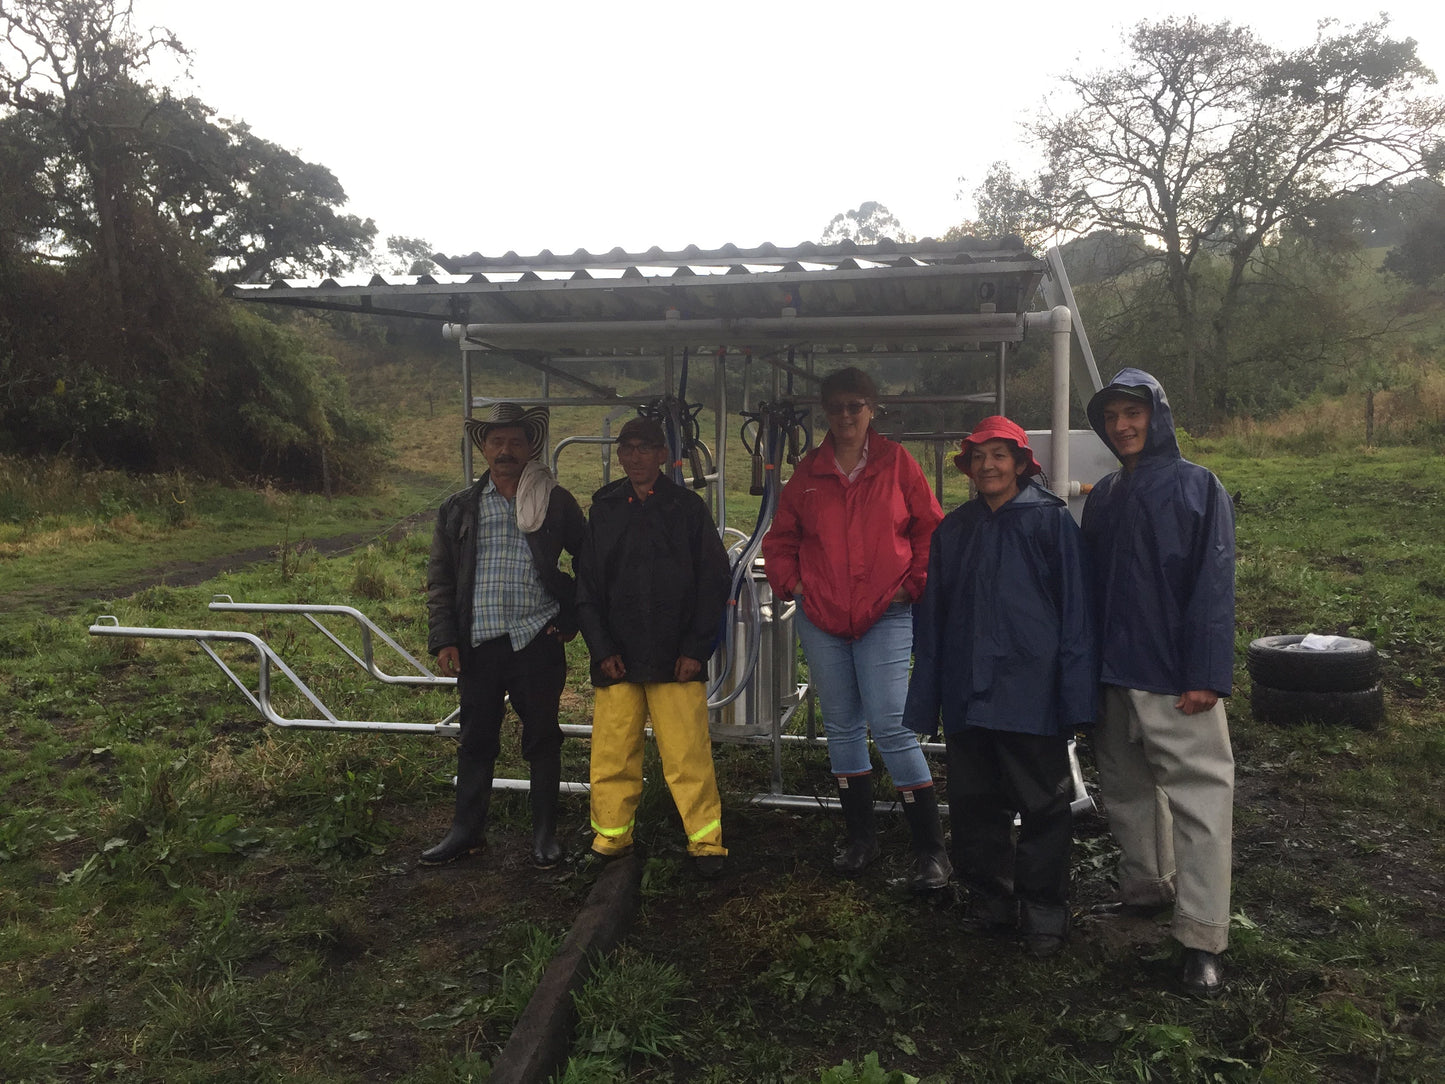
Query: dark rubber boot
x=931, y=868
x=1045, y=927
x=467, y=834
x=860, y=841
x=546, y=781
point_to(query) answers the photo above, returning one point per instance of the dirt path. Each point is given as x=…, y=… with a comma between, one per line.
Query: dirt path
x=60, y=599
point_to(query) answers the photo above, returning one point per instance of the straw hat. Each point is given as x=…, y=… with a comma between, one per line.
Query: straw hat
x=508, y=416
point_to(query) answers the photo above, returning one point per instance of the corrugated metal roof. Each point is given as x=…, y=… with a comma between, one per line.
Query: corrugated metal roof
x=890, y=294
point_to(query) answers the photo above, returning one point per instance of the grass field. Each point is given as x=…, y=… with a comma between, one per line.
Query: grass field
x=189, y=894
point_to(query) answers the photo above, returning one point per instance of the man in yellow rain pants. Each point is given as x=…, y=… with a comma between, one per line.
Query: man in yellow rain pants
x=652, y=591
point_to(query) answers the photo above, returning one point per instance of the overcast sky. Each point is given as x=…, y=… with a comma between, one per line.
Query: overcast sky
x=487, y=126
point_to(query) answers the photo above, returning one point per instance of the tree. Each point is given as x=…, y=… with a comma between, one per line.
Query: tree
x=870, y=223
x=1418, y=256
x=126, y=162
x=408, y=256
x=72, y=62
x=1005, y=209
x=121, y=208
x=1208, y=143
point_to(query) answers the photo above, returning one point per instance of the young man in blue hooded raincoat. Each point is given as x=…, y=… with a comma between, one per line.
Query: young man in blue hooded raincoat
x=1004, y=653
x=1160, y=535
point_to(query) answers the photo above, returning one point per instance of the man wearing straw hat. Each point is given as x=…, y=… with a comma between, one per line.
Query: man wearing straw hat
x=499, y=610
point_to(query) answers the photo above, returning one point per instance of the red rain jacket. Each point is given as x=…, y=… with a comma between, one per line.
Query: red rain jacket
x=853, y=545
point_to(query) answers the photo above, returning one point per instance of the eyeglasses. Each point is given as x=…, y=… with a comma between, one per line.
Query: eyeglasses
x=852, y=406
x=635, y=448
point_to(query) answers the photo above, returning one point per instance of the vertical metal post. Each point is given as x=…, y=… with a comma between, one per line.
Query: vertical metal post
x=1000, y=400
x=607, y=451
x=466, y=410
x=1061, y=323
x=812, y=385
x=720, y=382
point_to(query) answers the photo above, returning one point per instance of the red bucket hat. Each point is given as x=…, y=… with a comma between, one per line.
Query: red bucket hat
x=996, y=427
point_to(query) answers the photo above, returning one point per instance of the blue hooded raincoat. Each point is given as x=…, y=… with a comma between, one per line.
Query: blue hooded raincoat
x=1002, y=637
x=1161, y=544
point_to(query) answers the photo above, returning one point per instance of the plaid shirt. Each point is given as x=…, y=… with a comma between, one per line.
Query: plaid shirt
x=509, y=598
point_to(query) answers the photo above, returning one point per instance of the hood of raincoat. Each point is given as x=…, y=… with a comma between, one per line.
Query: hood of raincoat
x=1161, y=544
x=1135, y=383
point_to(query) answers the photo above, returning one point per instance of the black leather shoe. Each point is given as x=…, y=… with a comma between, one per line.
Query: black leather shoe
x=1203, y=973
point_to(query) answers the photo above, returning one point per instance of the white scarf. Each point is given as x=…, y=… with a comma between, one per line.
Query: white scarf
x=534, y=491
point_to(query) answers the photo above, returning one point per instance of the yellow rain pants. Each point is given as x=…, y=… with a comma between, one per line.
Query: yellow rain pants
x=678, y=710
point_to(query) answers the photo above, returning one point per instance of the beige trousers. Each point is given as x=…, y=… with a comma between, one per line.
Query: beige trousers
x=1167, y=780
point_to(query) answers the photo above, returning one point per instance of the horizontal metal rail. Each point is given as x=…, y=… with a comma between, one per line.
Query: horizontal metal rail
x=266, y=658
x=369, y=630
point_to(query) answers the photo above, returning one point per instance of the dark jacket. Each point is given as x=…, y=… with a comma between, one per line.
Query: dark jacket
x=653, y=581
x=1161, y=543
x=452, y=570
x=1003, y=638
x=852, y=544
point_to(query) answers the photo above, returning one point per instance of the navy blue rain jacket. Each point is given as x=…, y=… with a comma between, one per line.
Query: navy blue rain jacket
x=1161, y=544
x=1003, y=637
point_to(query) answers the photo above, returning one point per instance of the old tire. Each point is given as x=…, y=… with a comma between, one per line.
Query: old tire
x=1362, y=708
x=1348, y=665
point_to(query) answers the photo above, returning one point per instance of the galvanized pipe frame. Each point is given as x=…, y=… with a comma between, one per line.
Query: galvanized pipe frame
x=676, y=332
x=366, y=660
x=266, y=659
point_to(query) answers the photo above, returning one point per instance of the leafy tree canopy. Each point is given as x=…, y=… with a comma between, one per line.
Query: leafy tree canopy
x=123, y=207
x=111, y=148
x=1208, y=144
x=867, y=224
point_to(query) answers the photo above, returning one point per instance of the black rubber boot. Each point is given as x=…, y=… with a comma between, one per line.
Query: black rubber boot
x=931, y=868
x=467, y=834
x=860, y=841
x=1045, y=927
x=546, y=780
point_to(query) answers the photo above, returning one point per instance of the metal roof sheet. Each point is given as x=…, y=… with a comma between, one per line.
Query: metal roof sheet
x=926, y=293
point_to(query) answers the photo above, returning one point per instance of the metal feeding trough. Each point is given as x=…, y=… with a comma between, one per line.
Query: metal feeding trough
x=768, y=320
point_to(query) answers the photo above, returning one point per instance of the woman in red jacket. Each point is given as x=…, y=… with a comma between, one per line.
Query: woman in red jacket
x=850, y=544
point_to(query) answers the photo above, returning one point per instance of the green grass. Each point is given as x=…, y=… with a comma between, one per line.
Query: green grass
x=189, y=894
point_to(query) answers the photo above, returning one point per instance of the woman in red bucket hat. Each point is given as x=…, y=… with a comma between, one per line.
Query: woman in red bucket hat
x=1004, y=659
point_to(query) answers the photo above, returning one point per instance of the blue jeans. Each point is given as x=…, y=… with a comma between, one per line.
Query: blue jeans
x=862, y=685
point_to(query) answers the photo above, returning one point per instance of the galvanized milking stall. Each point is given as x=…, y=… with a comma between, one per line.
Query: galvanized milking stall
x=769, y=320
